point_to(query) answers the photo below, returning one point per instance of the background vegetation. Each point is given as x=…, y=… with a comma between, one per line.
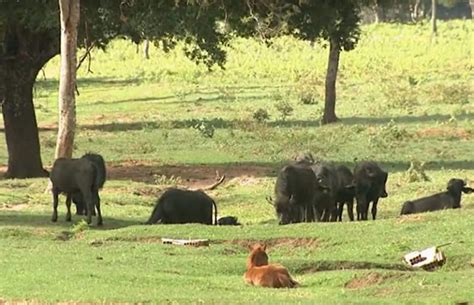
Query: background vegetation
x=403, y=99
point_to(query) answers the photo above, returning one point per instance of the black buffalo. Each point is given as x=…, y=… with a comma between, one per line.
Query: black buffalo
x=295, y=194
x=77, y=198
x=345, y=191
x=450, y=199
x=228, y=221
x=178, y=206
x=370, y=182
x=71, y=176
x=326, y=192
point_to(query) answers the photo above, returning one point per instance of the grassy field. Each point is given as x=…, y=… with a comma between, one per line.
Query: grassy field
x=402, y=98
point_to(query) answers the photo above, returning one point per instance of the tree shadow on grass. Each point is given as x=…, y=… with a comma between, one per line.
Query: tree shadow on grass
x=220, y=123
x=326, y=265
x=52, y=84
x=206, y=173
x=43, y=220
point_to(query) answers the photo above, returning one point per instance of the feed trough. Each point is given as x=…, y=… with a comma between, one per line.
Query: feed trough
x=428, y=259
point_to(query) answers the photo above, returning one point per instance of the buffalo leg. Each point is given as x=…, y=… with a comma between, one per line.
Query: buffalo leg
x=326, y=215
x=68, y=206
x=55, y=192
x=334, y=212
x=89, y=204
x=97, y=205
x=350, y=210
x=340, y=208
x=374, y=208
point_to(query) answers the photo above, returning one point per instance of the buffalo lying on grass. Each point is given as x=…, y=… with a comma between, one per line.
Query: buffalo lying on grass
x=450, y=199
x=77, y=198
x=72, y=176
x=370, y=182
x=345, y=191
x=178, y=206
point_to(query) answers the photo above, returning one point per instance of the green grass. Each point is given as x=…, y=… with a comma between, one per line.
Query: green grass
x=402, y=98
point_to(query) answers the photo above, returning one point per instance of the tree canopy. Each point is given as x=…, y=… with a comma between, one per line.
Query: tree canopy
x=29, y=37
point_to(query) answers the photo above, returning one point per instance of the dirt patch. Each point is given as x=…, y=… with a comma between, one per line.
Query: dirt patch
x=141, y=239
x=311, y=243
x=445, y=132
x=410, y=218
x=192, y=176
x=370, y=279
x=14, y=207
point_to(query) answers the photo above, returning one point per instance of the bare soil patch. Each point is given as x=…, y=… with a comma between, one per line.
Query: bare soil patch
x=410, y=218
x=192, y=176
x=14, y=207
x=311, y=243
x=445, y=132
x=371, y=279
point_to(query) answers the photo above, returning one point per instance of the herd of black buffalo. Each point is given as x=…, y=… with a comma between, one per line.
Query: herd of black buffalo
x=305, y=191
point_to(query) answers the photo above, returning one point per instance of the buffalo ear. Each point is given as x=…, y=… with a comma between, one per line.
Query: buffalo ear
x=264, y=247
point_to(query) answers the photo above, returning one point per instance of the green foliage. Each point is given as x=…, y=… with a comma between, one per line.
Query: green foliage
x=261, y=115
x=416, y=172
x=205, y=128
x=167, y=180
x=308, y=20
x=285, y=109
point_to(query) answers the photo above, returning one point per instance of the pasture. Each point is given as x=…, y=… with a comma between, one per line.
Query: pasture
x=403, y=99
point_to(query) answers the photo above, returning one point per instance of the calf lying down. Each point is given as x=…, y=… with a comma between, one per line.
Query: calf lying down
x=450, y=199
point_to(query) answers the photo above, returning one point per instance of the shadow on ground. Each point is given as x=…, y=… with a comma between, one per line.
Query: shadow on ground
x=26, y=219
x=349, y=265
x=206, y=173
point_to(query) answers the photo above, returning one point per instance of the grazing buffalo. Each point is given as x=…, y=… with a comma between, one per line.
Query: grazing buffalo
x=370, y=182
x=295, y=193
x=228, y=221
x=77, y=198
x=326, y=192
x=450, y=199
x=345, y=191
x=177, y=206
x=72, y=176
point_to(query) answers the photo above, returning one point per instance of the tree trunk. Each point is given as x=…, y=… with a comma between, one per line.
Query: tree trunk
x=331, y=76
x=434, y=28
x=379, y=13
x=21, y=130
x=416, y=11
x=146, y=49
x=471, y=3
x=67, y=82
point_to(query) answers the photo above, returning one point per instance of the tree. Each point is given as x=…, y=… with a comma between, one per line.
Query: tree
x=434, y=28
x=70, y=12
x=24, y=49
x=336, y=21
x=29, y=38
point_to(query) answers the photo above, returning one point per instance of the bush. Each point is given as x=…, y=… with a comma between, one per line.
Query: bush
x=261, y=115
